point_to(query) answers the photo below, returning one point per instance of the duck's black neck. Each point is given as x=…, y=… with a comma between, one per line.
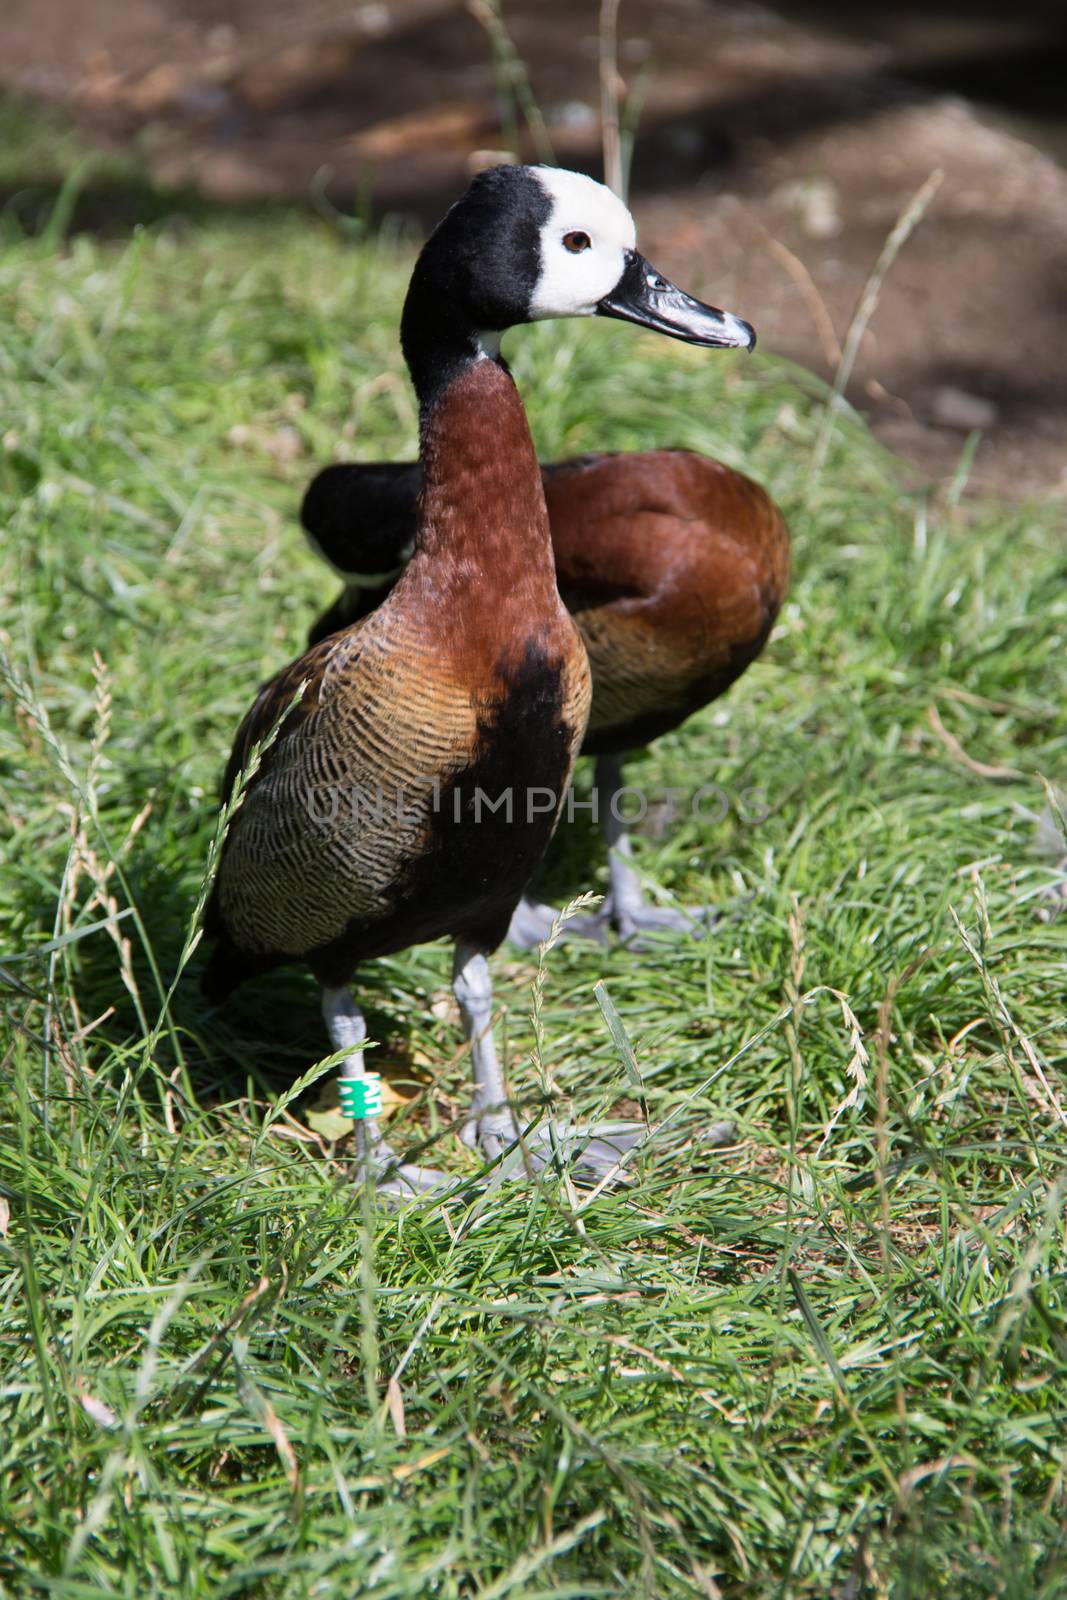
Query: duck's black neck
x=439, y=344
x=482, y=516
x=477, y=271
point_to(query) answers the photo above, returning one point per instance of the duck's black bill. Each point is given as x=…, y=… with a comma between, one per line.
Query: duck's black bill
x=645, y=296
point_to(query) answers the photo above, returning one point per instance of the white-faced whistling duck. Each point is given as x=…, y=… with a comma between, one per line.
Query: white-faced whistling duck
x=674, y=568
x=468, y=683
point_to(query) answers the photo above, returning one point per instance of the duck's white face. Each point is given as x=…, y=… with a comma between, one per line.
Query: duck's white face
x=588, y=266
x=584, y=245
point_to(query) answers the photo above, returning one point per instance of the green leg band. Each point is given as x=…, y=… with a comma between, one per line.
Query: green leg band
x=361, y=1097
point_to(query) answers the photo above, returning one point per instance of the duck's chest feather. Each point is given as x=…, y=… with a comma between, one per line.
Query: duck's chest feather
x=420, y=782
x=477, y=612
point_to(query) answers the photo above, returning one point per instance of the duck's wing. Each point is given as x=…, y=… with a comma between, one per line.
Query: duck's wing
x=282, y=704
x=360, y=518
x=368, y=728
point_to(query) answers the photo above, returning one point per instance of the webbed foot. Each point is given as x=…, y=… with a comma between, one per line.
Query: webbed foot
x=636, y=923
x=532, y=922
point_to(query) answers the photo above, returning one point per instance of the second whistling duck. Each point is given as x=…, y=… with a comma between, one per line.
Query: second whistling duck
x=361, y=832
x=674, y=568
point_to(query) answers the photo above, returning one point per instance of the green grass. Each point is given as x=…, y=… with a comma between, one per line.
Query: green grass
x=831, y=1361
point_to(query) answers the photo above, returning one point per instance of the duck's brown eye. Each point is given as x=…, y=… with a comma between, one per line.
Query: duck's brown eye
x=576, y=242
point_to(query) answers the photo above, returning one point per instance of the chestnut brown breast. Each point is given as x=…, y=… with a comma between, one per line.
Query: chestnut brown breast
x=363, y=832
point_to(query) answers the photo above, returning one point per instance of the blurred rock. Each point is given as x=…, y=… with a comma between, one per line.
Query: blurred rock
x=452, y=125
x=574, y=114
x=815, y=202
x=821, y=133
x=955, y=408
x=374, y=19
x=295, y=73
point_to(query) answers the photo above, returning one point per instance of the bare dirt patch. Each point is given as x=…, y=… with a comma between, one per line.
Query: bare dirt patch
x=773, y=158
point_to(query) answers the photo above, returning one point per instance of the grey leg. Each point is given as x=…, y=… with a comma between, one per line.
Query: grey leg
x=492, y=1125
x=625, y=907
x=625, y=897
x=595, y=1150
x=348, y=1031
